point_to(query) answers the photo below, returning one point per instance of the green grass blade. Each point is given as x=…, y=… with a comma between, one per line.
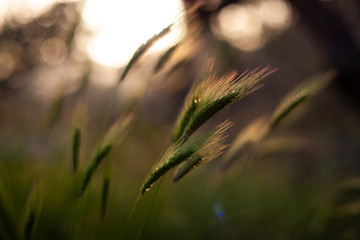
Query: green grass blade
x=287, y=108
x=105, y=192
x=7, y=221
x=32, y=212
x=143, y=48
x=99, y=157
x=148, y=210
x=76, y=142
x=129, y=217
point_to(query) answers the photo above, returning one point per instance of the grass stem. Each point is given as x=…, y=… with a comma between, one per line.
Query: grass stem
x=148, y=210
x=126, y=225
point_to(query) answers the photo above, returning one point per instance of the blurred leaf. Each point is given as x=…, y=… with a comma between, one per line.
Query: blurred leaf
x=165, y=58
x=98, y=158
x=76, y=143
x=105, y=190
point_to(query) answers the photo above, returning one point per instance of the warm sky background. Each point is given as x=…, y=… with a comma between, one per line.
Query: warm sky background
x=119, y=27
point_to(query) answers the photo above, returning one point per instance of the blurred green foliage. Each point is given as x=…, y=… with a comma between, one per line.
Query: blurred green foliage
x=300, y=181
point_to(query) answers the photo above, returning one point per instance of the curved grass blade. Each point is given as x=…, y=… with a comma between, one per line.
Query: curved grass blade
x=143, y=48
x=105, y=190
x=113, y=137
x=32, y=212
x=288, y=106
x=76, y=142
x=299, y=94
x=98, y=158
x=212, y=94
x=7, y=220
x=211, y=149
x=80, y=120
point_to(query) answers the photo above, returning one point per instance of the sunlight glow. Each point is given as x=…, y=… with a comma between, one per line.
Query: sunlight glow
x=117, y=28
x=120, y=27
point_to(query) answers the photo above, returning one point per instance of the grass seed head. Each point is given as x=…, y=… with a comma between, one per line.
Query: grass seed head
x=174, y=155
x=299, y=95
x=143, y=48
x=213, y=93
x=208, y=147
x=212, y=148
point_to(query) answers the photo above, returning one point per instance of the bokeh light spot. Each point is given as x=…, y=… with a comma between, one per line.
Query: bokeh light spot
x=53, y=51
x=7, y=64
x=248, y=26
x=241, y=26
x=120, y=27
x=275, y=13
